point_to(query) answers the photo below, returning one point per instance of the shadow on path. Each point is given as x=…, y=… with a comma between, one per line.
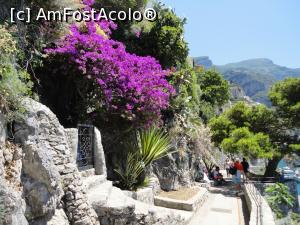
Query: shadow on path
x=223, y=207
x=228, y=189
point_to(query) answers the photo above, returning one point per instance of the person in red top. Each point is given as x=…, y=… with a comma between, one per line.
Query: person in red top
x=237, y=177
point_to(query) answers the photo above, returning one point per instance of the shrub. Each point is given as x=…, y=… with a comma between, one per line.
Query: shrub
x=214, y=87
x=14, y=83
x=278, y=195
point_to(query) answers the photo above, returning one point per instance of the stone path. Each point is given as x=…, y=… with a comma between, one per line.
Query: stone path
x=222, y=207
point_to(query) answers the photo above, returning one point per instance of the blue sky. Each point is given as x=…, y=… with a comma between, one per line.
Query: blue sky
x=234, y=30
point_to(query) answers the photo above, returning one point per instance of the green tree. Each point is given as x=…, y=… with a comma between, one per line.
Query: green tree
x=285, y=97
x=243, y=141
x=261, y=130
x=214, y=87
x=163, y=38
x=249, y=130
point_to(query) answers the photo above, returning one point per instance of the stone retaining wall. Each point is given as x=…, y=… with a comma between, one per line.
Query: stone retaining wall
x=260, y=211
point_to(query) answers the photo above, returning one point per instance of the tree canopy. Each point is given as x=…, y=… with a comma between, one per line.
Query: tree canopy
x=162, y=39
x=258, y=131
x=215, y=89
x=236, y=131
x=285, y=97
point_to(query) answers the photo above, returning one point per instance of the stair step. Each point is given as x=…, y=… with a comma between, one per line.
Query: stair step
x=109, y=202
x=99, y=194
x=88, y=172
x=92, y=182
x=117, y=199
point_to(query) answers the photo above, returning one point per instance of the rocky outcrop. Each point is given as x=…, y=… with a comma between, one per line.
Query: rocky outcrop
x=203, y=61
x=52, y=184
x=237, y=93
x=174, y=171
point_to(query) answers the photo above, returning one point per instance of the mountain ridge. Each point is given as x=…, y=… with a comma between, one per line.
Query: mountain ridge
x=254, y=76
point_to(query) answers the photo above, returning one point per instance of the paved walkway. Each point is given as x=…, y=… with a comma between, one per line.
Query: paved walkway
x=222, y=207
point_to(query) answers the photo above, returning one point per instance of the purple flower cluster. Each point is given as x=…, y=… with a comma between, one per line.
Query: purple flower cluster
x=132, y=86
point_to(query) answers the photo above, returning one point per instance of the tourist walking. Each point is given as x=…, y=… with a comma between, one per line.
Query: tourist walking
x=237, y=177
x=245, y=165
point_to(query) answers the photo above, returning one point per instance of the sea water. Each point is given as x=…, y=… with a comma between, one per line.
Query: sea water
x=282, y=164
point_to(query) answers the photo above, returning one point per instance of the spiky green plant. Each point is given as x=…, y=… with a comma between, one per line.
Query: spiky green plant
x=153, y=145
x=150, y=145
x=130, y=173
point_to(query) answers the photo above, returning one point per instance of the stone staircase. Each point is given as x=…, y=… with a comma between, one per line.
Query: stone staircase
x=114, y=207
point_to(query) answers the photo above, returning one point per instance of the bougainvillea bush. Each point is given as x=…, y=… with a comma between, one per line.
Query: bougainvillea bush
x=129, y=85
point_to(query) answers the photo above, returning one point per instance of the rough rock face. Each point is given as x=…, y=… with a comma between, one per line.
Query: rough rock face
x=237, y=93
x=174, y=171
x=51, y=179
x=203, y=61
x=72, y=138
x=12, y=206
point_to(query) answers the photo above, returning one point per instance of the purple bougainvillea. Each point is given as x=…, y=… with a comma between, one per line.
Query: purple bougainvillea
x=132, y=86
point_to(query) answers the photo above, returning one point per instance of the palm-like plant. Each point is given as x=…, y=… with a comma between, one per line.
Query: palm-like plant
x=150, y=145
x=153, y=144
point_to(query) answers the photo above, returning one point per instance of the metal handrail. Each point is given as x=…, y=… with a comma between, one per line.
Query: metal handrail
x=256, y=196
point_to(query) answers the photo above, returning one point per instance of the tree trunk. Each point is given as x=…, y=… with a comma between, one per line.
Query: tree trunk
x=272, y=166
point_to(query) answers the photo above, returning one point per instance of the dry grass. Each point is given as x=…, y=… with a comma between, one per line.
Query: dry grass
x=183, y=194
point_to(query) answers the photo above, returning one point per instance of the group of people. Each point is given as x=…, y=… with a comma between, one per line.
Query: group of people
x=237, y=169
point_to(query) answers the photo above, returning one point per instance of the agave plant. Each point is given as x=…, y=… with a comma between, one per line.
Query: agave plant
x=150, y=145
x=130, y=173
x=153, y=144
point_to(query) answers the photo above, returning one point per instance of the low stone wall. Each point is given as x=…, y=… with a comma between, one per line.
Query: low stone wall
x=260, y=211
x=143, y=195
x=190, y=205
x=146, y=194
